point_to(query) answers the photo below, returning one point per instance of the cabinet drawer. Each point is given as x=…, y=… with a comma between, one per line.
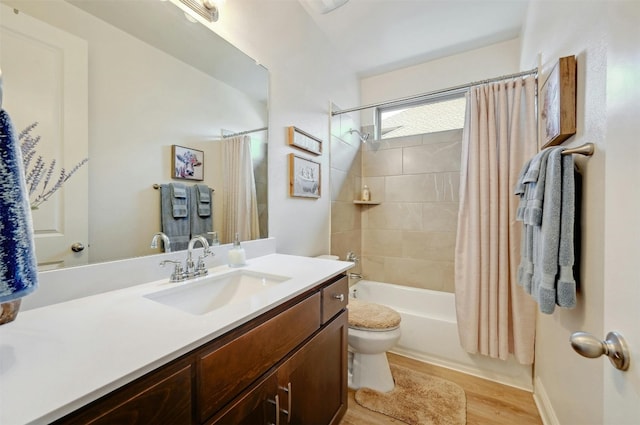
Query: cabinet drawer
x=226, y=371
x=334, y=298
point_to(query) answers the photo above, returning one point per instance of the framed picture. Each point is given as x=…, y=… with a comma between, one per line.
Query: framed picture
x=304, y=177
x=558, y=103
x=305, y=141
x=187, y=163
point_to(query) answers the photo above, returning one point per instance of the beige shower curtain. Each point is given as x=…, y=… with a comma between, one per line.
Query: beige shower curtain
x=495, y=316
x=240, y=206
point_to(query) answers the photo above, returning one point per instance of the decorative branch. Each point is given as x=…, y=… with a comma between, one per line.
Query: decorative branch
x=35, y=173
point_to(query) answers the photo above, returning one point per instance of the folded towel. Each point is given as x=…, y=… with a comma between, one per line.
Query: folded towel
x=178, y=229
x=201, y=214
x=18, y=266
x=179, y=200
x=536, y=192
x=203, y=199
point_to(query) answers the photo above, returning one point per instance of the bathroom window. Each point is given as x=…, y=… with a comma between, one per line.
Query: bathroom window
x=420, y=117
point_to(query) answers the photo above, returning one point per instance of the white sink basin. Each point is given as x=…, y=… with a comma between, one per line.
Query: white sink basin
x=209, y=293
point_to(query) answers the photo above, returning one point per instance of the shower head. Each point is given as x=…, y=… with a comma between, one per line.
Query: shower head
x=363, y=136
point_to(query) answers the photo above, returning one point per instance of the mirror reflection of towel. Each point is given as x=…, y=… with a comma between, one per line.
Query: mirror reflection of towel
x=18, y=267
x=203, y=199
x=177, y=228
x=201, y=214
x=179, y=200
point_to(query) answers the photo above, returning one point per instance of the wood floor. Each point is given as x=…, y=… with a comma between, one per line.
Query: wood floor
x=488, y=403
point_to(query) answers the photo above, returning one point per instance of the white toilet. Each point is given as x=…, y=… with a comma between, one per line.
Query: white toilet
x=373, y=329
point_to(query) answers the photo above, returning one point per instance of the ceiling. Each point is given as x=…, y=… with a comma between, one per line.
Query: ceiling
x=378, y=36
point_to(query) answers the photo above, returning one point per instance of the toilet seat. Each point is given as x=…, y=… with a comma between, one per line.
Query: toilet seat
x=373, y=317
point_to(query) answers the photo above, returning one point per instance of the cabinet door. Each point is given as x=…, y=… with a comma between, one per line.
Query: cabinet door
x=313, y=382
x=162, y=397
x=258, y=406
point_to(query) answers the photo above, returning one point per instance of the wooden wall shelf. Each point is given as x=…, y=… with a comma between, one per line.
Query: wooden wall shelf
x=367, y=202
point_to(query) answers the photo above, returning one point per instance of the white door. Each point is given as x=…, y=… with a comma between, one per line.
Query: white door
x=45, y=81
x=622, y=210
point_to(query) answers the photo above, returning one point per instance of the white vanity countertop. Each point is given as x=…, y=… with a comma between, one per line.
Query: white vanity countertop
x=56, y=359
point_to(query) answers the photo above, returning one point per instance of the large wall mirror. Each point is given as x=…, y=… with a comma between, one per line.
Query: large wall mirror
x=152, y=79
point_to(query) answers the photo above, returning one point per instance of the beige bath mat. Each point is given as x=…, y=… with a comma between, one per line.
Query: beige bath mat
x=418, y=399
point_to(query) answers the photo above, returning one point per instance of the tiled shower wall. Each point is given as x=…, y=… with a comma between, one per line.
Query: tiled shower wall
x=409, y=239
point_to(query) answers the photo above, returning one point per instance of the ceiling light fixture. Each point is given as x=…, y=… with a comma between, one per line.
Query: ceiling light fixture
x=205, y=8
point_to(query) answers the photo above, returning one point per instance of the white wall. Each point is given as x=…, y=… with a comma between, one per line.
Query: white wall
x=479, y=64
x=560, y=374
x=306, y=74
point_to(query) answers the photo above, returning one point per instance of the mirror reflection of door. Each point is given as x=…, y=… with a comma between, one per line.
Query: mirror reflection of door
x=45, y=81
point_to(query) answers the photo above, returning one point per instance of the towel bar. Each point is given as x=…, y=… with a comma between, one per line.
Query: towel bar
x=157, y=186
x=587, y=150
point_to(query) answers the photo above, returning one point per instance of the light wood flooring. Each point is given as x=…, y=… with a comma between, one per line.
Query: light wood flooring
x=488, y=403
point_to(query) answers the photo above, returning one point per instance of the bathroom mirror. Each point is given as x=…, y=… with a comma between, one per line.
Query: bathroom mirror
x=155, y=79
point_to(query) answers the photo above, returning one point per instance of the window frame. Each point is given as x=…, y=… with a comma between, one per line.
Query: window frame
x=413, y=103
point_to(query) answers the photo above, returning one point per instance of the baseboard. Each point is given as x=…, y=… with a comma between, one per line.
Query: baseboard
x=543, y=402
x=520, y=382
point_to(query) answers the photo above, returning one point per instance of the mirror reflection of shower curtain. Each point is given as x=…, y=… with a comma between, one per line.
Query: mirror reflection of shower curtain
x=239, y=205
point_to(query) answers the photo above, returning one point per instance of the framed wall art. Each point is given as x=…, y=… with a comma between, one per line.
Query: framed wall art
x=303, y=140
x=187, y=163
x=557, y=99
x=304, y=177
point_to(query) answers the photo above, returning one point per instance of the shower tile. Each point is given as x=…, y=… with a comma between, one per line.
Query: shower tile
x=395, y=215
x=373, y=268
x=448, y=186
x=440, y=216
x=386, y=243
x=412, y=188
x=382, y=163
x=432, y=158
x=432, y=246
x=394, y=143
x=343, y=242
x=442, y=137
x=344, y=216
x=418, y=273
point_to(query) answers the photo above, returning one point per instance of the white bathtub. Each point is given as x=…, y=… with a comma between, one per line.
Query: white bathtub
x=430, y=333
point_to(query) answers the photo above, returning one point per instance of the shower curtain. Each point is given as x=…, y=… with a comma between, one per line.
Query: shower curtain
x=495, y=316
x=240, y=206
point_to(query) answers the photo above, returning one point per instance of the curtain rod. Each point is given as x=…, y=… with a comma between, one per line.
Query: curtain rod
x=242, y=133
x=436, y=92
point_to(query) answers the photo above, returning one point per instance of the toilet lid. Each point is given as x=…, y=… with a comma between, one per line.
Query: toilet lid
x=365, y=315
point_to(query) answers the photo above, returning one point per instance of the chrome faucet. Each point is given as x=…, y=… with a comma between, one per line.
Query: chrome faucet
x=199, y=269
x=165, y=240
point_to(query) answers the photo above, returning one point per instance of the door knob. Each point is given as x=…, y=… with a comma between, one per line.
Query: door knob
x=615, y=347
x=77, y=247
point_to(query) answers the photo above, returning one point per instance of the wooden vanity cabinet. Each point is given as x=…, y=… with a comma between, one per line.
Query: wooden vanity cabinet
x=287, y=366
x=163, y=396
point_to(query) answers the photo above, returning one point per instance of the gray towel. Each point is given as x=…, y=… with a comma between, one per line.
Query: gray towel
x=203, y=199
x=179, y=200
x=530, y=188
x=200, y=224
x=546, y=251
x=178, y=229
x=553, y=278
x=536, y=188
x=566, y=288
